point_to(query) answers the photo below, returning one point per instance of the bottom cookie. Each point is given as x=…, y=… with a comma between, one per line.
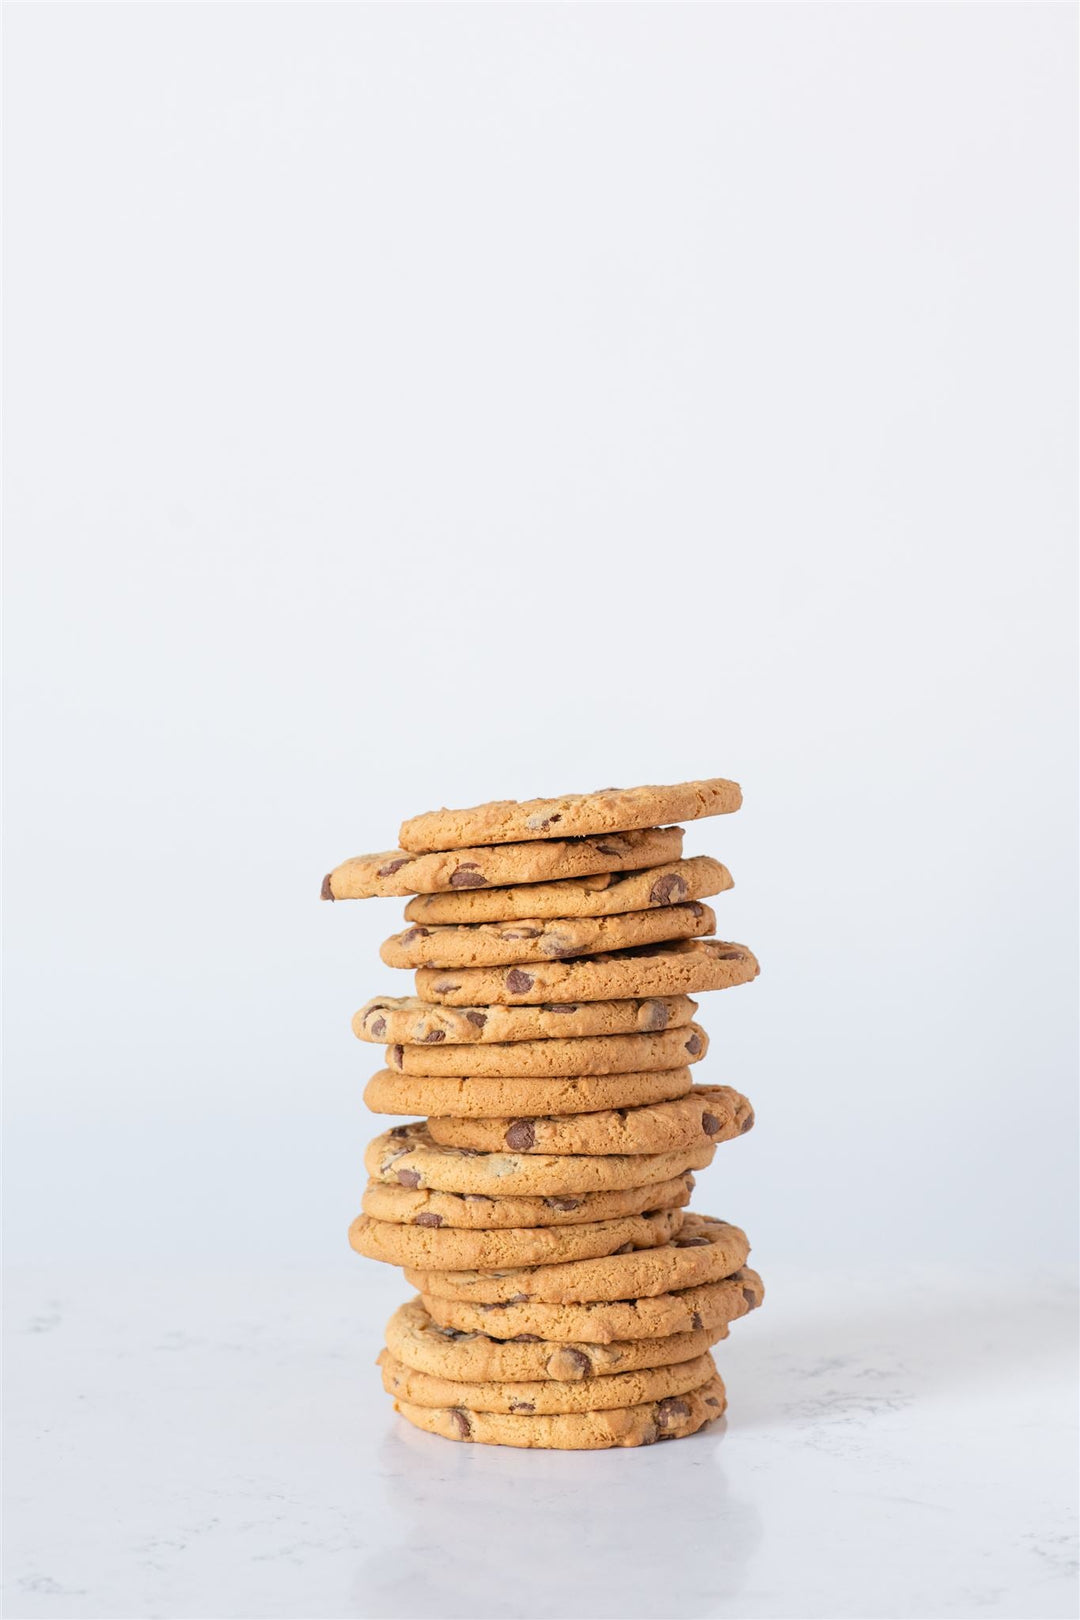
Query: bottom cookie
x=669, y=1419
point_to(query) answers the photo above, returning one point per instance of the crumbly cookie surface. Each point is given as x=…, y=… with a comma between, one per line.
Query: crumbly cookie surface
x=608, y=810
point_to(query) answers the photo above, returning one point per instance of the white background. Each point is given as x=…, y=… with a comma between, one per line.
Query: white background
x=419, y=404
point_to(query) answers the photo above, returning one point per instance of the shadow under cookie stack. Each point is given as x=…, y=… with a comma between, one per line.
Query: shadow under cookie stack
x=565, y=1297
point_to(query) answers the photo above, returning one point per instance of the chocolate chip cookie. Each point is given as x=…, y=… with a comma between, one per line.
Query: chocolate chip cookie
x=417, y=1341
x=703, y=1306
x=545, y=1395
x=476, y=1212
x=399, y=872
x=538, y=940
x=450, y=1248
x=669, y=1419
x=710, y=1113
x=484, y=1096
x=705, y=1250
x=601, y=896
x=408, y=1021
x=595, y=1054
x=409, y=1156
x=680, y=968
x=608, y=810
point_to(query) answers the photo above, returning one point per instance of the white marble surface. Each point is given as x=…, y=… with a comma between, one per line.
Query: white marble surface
x=212, y=1445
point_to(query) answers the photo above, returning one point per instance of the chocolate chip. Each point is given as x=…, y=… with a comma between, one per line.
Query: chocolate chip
x=747, y=1123
x=461, y=1422
x=711, y=1400
x=521, y=1135
x=540, y=823
x=477, y=1018
x=695, y=1320
x=467, y=876
x=627, y=1248
x=563, y=1205
x=520, y=932
x=607, y=849
x=693, y=1045
x=412, y=934
x=518, y=982
x=426, y=1218
x=522, y=1406
x=710, y=1123
x=443, y=987
x=399, y=1130
x=562, y=1007
x=378, y=1027
x=525, y=1338
x=667, y=889
x=434, y=1036
x=409, y=1178
x=750, y=1298
x=650, y=1436
x=326, y=892
x=691, y=1242
x=567, y=1363
x=670, y=1410
x=727, y=956
x=394, y=866
x=396, y=1054
x=653, y=1015
x=698, y=911
x=518, y=1299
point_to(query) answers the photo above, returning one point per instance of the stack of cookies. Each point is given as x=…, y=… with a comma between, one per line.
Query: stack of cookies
x=565, y=1295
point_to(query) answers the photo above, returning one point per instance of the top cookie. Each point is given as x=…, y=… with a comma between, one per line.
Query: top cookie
x=396, y=872
x=609, y=810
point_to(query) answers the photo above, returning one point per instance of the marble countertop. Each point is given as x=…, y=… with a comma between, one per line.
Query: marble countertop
x=218, y=1445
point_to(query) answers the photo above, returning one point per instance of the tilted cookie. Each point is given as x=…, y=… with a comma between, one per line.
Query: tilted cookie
x=604, y=896
x=543, y=1395
x=669, y=1419
x=409, y=1021
x=484, y=1096
x=397, y=872
x=417, y=1341
x=680, y=968
x=608, y=810
x=587, y=1054
x=409, y=1156
x=715, y=1113
x=705, y=1250
x=537, y=940
x=704, y=1307
x=475, y=1212
x=448, y=1248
